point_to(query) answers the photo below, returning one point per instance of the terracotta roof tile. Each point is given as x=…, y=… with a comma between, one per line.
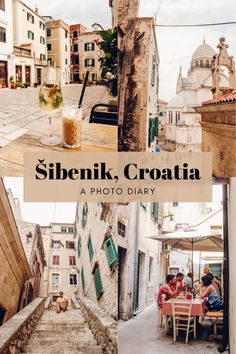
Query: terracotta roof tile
x=161, y=102
x=230, y=97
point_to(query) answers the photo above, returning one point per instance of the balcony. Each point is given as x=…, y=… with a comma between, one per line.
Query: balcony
x=22, y=51
x=40, y=62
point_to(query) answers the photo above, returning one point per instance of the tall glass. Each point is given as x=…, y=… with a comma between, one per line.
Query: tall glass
x=71, y=126
x=51, y=101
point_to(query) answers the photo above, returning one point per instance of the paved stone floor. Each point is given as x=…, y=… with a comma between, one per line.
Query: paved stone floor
x=142, y=335
x=19, y=111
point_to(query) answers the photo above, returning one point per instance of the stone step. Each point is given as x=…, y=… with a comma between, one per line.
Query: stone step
x=58, y=326
x=83, y=335
x=64, y=350
x=46, y=342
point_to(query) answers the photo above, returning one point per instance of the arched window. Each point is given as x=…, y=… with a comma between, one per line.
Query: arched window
x=196, y=63
x=201, y=64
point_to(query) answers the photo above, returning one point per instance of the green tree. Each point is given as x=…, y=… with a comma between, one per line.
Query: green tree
x=109, y=60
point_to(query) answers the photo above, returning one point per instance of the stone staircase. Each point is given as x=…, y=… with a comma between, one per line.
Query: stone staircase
x=63, y=333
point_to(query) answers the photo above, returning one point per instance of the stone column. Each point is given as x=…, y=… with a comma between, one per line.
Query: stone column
x=232, y=263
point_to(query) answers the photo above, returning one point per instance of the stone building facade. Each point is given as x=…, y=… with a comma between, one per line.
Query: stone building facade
x=60, y=272
x=183, y=129
x=6, y=43
x=97, y=259
x=139, y=256
x=218, y=116
x=58, y=48
x=15, y=271
x=89, y=55
x=29, y=39
x=139, y=81
x=75, y=31
x=31, y=239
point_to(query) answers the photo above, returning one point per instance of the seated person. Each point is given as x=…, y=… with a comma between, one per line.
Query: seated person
x=218, y=284
x=166, y=291
x=188, y=280
x=178, y=282
x=62, y=302
x=207, y=290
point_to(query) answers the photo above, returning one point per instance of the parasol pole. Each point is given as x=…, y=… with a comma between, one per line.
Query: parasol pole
x=83, y=89
x=192, y=257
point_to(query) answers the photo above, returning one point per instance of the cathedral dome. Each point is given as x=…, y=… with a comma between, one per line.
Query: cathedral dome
x=204, y=51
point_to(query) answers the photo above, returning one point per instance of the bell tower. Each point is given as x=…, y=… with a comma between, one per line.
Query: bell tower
x=222, y=59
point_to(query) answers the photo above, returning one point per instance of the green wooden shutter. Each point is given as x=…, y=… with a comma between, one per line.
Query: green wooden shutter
x=82, y=278
x=79, y=247
x=111, y=252
x=90, y=248
x=98, y=283
x=84, y=215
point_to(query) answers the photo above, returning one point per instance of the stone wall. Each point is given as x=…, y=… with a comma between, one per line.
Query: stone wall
x=96, y=227
x=219, y=137
x=102, y=326
x=142, y=86
x=15, y=332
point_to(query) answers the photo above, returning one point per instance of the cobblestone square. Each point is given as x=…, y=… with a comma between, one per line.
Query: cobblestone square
x=20, y=113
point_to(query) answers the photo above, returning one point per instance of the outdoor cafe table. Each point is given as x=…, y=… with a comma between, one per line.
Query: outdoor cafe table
x=197, y=306
x=95, y=138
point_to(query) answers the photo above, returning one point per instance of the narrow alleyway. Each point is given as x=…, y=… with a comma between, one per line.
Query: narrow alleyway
x=142, y=335
x=63, y=333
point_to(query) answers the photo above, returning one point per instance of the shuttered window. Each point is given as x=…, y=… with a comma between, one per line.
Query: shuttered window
x=56, y=260
x=2, y=5
x=90, y=248
x=30, y=17
x=111, y=252
x=31, y=35
x=98, y=283
x=82, y=278
x=79, y=247
x=154, y=211
x=84, y=215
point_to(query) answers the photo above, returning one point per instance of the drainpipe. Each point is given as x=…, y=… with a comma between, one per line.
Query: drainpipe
x=135, y=284
x=222, y=348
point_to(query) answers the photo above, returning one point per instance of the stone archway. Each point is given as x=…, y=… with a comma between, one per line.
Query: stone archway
x=223, y=59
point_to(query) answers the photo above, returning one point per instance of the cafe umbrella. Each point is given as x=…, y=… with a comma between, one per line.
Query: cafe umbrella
x=192, y=240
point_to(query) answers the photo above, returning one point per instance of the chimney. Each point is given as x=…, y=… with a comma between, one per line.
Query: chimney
x=36, y=9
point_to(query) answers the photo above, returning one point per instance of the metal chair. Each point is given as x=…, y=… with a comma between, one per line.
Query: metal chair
x=182, y=318
x=109, y=117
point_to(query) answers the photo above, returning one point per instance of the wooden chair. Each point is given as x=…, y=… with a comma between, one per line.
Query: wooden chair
x=182, y=318
x=216, y=318
x=109, y=117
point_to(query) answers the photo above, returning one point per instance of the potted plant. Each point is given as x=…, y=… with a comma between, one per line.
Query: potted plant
x=26, y=84
x=12, y=83
x=19, y=85
x=35, y=84
x=1, y=83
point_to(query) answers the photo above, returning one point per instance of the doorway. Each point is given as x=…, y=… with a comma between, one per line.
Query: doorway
x=122, y=252
x=3, y=74
x=140, y=284
x=28, y=74
x=39, y=76
x=2, y=314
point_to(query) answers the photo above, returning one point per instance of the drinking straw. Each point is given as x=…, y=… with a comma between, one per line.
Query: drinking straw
x=83, y=89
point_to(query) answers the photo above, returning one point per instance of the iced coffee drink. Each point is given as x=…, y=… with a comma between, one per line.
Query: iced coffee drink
x=72, y=119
